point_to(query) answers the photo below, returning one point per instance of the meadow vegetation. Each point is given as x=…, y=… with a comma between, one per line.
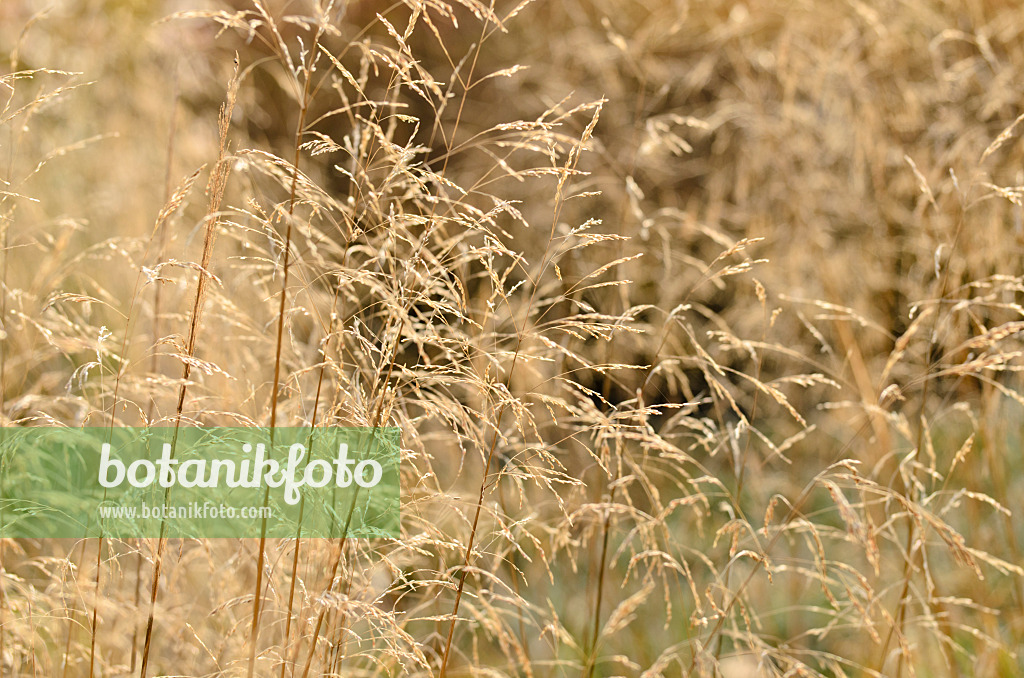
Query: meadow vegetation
x=701, y=323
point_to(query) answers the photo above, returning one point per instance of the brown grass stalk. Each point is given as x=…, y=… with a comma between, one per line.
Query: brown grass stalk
x=300, y=131
x=215, y=189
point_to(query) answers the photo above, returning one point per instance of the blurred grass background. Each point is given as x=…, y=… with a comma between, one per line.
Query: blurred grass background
x=846, y=146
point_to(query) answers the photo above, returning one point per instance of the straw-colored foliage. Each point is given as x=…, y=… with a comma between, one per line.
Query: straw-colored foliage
x=701, y=322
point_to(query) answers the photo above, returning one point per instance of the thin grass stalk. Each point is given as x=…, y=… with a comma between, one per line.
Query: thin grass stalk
x=341, y=638
x=450, y=143
x=308, y=68
x=161, y=219
x=740, y=469
x=523, y=645
x=291, y=593
x=4, y=239
x=155, y=358
x=569, y=168
x=467, y=559
x=298, y=536
x=590, y=665
x=95, y=607
x=794, y=511
x=871, y=420
x=71, y=620
x=591, y=649
x=342, y=541
x=216, y=188
x=999, y=472
x=377, y=418
x=913, y=555
x=340, y=546
x=136, y=602
x=5, y=220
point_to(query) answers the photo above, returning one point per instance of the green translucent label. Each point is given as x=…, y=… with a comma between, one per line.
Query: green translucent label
x=199, y=482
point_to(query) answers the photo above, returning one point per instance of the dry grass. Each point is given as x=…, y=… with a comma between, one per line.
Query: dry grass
x=701, y=324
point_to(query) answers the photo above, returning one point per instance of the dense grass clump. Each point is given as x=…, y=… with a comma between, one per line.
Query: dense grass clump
x=701, y=323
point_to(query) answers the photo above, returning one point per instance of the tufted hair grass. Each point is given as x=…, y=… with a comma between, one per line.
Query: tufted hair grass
x=701, y=323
